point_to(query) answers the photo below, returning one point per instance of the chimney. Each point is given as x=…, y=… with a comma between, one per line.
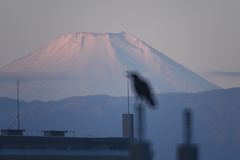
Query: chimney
x=127, y=125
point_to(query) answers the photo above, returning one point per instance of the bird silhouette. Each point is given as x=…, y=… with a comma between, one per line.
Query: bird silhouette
x=142, y=89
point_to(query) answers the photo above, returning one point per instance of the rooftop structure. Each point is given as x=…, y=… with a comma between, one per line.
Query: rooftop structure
x=47, y=147
x=12, y=132
x=54, y=133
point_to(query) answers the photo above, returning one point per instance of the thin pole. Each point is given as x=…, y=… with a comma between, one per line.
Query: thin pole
x=128, y=90
x=18, y=103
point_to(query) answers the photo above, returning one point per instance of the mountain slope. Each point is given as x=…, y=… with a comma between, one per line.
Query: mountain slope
x=90, y=64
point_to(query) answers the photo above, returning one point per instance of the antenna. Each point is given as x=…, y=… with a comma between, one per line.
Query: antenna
x=18, y=108
x=128, y=89
x=187, y=119
x=18, y=103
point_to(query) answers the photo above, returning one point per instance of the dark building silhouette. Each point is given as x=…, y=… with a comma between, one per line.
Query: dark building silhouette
x=53, y=145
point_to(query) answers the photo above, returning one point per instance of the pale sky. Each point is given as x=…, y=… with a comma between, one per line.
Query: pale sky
x=203, y=36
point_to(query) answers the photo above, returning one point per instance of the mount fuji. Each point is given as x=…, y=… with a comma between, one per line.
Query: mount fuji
x=94, y=64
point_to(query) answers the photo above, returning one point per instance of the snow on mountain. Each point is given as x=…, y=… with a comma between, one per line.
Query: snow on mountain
x=91, y=64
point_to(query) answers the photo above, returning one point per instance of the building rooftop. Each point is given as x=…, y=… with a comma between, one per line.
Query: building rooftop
x=39, y=142
x=38, y=145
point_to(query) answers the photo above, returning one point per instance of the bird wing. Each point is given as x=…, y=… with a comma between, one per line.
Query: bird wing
x=142, y=88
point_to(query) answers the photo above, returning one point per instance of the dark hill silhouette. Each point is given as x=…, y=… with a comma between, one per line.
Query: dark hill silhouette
x=216, y=119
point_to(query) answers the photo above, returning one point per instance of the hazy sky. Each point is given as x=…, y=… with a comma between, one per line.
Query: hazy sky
x=203, y=36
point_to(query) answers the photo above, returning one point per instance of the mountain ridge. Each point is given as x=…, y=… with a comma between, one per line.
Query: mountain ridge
x=215, y=119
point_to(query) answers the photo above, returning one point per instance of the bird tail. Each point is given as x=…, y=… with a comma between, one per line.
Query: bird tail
x=152, y=101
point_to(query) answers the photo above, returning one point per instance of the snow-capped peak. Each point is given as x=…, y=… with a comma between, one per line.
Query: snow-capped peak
x=93, y=63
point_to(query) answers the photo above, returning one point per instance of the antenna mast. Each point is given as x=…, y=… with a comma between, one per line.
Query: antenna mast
x=18, y=103
x=187, y=119
x=128, y=89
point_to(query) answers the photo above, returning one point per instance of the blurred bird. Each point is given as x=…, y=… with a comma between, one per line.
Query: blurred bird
x=142, y=89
